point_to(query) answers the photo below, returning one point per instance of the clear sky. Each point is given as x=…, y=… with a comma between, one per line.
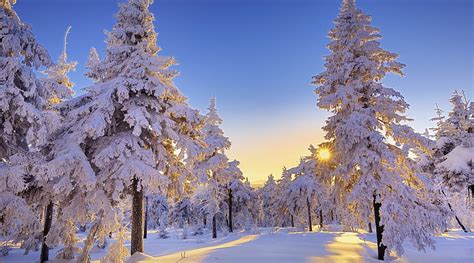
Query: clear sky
x=257, y=57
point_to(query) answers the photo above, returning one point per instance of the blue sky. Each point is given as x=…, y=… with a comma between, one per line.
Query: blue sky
x=257, y=57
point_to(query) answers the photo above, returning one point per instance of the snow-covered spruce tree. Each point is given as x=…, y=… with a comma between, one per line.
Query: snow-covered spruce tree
x=239, y=197
x=23, y=129
x=210, y=166
x=283, y=216
x=267, y=196
x=56, y=88
x=452, y=158
x=376, y=174
x=306, y=192
x=137, y=126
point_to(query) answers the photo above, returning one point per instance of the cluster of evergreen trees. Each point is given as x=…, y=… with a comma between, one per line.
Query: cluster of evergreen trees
x=87, y=161
x=132, y=153
x=380, y=171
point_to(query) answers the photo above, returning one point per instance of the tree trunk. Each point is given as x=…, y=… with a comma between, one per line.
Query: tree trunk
x=292, y=221
x=230, y=211
x=145, y=226
x=214, y=226
x=320, y=219
x=83, y=227
x=48, y=219
x=137, y=219
x=309, y=215
x=454, y=213
x=370, y=228
x=379, y=230
x=204, y=220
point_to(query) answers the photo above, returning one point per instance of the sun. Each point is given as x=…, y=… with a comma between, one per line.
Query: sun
x=324, y=154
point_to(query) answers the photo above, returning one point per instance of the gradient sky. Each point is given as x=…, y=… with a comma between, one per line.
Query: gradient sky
x=257, y=57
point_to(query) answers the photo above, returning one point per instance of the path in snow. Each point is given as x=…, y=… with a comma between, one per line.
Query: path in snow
x=268, y=247
x=347, y=247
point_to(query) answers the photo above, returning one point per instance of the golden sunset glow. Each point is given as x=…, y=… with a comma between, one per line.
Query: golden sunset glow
x=324, y=154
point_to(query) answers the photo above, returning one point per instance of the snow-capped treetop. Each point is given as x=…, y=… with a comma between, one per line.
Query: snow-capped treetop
x=212, y=116
x=92, y=63
x=459, y=115
x=57, y=84
x=452, y=156
x=213, y=134
x=213, y=161
x=142, y=125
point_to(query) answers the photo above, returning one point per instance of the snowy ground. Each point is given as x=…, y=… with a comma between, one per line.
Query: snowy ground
x=282, y=245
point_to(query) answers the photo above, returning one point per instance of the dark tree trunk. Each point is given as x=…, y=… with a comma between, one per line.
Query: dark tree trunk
x=370, y=228
x=309, y=215
x=230, y=211
x=145, y=226
x=379, y=230
x=137, y=219
x=204, y=220
x=48, y=219
x=292, y=221
x=83, y=228
x=455, y=216
x=321, y=219
x=214, y=226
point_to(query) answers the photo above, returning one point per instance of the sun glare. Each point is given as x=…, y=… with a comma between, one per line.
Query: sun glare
x=324, y=154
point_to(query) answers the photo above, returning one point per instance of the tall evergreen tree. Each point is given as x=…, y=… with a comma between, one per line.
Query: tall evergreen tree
x=23, y=128
x=136, y=128
x=210, y=167
x=452, y=157
x=367, y=116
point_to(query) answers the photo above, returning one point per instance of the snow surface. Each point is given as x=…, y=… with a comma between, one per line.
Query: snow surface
x=278, y=245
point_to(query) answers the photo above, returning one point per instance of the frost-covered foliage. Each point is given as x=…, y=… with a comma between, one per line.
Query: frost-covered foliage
x=22, y=124
x=452, y=159
x=280, y=203
x=306, y=192
x=158, y=213
x=132, y=131
x=455, y=144
x=211, y=164
x=117, y=252
x=366, y=114
x=23, y=129
x=267, y=195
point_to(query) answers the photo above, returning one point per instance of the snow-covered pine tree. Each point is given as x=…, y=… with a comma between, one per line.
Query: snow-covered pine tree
x=137, y=128
x=376, y=174
x=452, y=157
x=238, y=195
x=93, y=61
x=23, y=129
x=306, y=191
x=56, y=88
x=267, y=195
x=283, y=216
x=209, y=168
